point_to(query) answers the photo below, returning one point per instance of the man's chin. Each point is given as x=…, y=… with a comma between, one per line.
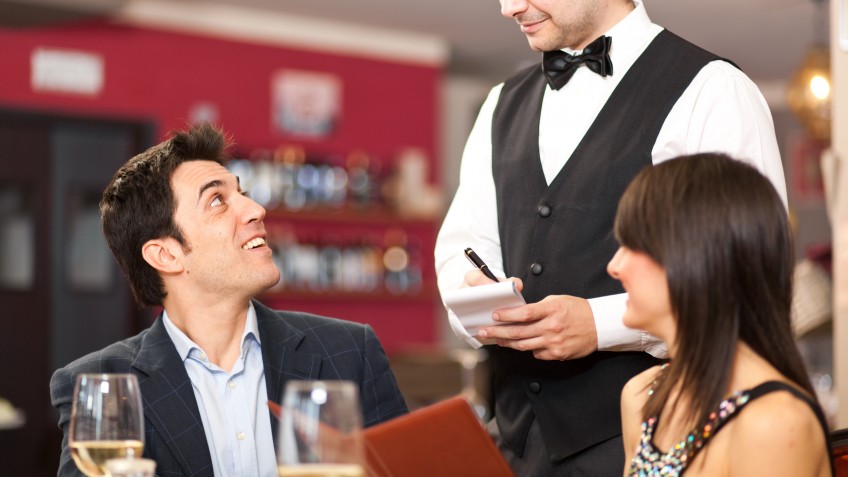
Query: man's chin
x=267, y=284
x=535, y=44
x=546, y=40
x=271, y=283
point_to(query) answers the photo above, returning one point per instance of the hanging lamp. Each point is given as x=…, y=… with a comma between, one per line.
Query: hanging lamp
x=810, y=87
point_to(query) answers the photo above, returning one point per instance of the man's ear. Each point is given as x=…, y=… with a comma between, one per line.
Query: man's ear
x=164, y=255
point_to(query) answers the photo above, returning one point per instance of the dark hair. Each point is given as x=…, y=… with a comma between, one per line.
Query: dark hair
x=138, y=204
x=721, y=232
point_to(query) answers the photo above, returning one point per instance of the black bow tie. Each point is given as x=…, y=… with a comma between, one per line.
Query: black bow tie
x=559, y=66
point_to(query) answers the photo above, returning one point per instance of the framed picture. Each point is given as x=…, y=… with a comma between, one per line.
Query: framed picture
x=305, y=103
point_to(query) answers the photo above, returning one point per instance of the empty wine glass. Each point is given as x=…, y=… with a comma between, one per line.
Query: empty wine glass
x=320, y=433
x=106, y=421
x=469, y=360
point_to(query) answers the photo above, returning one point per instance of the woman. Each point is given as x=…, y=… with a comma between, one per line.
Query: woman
x=706, y=259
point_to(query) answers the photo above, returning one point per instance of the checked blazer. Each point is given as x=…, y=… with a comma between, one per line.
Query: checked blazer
x=294, y=346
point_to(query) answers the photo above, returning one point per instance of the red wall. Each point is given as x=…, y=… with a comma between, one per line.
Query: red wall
x=159, y=75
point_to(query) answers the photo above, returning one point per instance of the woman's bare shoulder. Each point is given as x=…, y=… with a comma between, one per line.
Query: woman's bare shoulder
x=642, y=380
x=779, y=433
x=636, y=389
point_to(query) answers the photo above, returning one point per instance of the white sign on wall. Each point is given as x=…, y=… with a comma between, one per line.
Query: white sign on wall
x=66, y=71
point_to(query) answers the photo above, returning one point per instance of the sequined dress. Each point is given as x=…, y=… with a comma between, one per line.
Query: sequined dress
x=650, y=462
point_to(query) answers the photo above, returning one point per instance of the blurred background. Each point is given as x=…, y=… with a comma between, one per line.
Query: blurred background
x=349, y=120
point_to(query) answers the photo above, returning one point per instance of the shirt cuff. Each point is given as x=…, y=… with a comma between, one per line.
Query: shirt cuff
x=613, y=335
x=461, y=332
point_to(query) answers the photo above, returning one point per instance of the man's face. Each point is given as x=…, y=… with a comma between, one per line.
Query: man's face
x=555, y=24
x=227, y=253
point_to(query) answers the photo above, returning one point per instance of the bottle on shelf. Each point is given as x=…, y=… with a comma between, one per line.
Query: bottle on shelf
x=304, y=195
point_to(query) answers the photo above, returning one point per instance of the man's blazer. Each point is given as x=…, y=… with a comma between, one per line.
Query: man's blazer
x=294, y=346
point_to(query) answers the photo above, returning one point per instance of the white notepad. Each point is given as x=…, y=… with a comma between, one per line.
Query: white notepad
x=474, y=305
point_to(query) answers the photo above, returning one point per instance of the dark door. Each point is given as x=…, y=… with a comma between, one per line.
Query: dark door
x=61, y=294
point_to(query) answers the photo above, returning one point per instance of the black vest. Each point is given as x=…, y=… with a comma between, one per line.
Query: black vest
x=558, y=239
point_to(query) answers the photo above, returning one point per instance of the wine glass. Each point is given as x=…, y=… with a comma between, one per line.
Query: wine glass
x=469, y=360
x=106, y=421
x=320, y=433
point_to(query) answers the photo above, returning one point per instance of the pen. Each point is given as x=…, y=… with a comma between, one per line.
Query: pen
x=480, y=264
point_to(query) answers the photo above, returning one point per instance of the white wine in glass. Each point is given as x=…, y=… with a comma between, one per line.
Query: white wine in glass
x=106, y=421
x=321, y=470
x=320, y=433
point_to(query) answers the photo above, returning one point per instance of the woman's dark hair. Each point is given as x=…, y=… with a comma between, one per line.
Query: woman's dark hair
x=138, y=204
x=721, y=232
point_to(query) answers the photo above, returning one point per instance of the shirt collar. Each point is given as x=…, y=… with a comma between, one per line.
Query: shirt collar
x=629, y=37
x=184, y=344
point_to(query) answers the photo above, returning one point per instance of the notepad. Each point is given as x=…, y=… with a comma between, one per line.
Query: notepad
x=474, y=305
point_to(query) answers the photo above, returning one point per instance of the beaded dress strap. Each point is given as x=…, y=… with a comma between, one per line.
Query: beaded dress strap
x=649, y=461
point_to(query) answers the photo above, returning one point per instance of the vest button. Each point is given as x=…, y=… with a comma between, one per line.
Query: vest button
x=534, y=387
x=544, y=210
x=536, y=269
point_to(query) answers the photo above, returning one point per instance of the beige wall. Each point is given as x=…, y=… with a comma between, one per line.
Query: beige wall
x=839, y=67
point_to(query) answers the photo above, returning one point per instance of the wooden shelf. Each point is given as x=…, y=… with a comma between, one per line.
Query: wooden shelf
x=427, y=294
x=376, y=215
x=352, y=222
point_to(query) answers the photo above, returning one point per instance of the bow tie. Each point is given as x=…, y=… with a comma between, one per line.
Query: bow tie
x=559, y=66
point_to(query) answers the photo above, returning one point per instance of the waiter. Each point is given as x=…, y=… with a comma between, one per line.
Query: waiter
x=544, y=166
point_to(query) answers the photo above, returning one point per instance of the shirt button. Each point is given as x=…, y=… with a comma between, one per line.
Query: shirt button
x=240, y=436
x=544, y=210
x=232, y=384
x=202, y=356
x=536, y=269
x=534, y=387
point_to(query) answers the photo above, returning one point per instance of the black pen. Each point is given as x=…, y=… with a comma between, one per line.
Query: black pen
x=480, y=264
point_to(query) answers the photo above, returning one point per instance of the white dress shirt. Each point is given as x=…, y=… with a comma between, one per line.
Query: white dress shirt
x=722, y=110
x=233, y=405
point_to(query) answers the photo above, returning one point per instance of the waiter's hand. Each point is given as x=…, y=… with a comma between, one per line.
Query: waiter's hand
x=557, y=328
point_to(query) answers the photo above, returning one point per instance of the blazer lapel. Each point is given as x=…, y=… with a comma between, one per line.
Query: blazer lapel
x=281, y=357
x=169, y=403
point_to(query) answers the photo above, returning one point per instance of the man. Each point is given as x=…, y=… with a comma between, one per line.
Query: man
x=190, y=239
x=545, y=164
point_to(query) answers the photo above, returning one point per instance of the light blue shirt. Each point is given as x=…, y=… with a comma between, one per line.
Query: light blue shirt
x=233, y=406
